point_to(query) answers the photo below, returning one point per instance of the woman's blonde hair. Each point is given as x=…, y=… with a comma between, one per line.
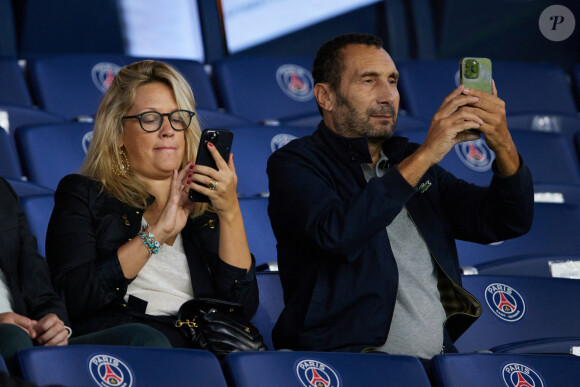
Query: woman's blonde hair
x=104, y=153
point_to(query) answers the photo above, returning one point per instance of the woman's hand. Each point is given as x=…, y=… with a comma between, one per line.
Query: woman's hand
x=177, y=208
x=219, y=186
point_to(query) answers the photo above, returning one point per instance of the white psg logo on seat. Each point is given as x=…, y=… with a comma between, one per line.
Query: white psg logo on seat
x=108, y=371
x=475, y=155
x=103, y=74
x=519, y=375
x=314, y=373
x=296, y=82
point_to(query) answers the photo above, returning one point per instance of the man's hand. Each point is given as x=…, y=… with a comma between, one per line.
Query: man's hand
x=50, y=330
x=23, y=322
x=491, y=110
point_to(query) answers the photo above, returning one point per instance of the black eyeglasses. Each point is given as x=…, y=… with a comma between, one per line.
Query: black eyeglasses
x=152, y=121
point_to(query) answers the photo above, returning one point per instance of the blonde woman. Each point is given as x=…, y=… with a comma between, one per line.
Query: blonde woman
x=124, y=243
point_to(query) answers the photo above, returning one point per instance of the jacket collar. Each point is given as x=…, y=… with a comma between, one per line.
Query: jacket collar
x=356, y=149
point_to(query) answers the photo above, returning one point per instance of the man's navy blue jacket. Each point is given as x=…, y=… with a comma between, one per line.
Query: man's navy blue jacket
x=337, y=269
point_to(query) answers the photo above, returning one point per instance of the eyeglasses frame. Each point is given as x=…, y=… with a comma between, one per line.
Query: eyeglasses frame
x=168, y=115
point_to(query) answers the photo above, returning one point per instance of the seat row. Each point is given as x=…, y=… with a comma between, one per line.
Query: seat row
x=84, y=365
x=279, y=89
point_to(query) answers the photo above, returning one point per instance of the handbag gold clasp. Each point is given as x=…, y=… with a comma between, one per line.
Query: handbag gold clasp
x=191, y=324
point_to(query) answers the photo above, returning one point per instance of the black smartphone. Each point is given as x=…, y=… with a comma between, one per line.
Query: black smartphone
x=222, y=139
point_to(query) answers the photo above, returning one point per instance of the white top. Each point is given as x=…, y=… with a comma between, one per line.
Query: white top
x=5, y=294
x=164, y=282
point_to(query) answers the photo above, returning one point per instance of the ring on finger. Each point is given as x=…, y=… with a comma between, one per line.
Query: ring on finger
x=212, y=184
x=181, y=187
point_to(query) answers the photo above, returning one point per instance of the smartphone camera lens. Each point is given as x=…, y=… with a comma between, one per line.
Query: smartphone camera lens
x=471, y=69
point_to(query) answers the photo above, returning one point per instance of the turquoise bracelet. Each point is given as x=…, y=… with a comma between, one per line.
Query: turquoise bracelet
x=149, y=242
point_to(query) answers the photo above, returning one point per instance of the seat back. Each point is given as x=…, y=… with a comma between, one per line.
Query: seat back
x=516, y=309
x=88, y=365
x=73, y=85
x=286, y=368
x=271, y=304
x=14, y=116
x=38, y=209
x=252, y=147
x=553, y=232
x=51, y=151
x=264, y=88
x=484, y=370
x=258, y=229
x=472, y=160
x=9, y=162
x=13, y=88
x=425, y=83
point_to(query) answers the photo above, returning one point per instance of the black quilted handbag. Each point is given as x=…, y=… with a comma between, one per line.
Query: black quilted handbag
x=218, y=326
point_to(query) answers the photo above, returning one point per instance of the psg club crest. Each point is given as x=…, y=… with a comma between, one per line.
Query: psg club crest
x=475, y=155
x=108, y=371
x=505, y=302
x=519, y=375
x=279, y=140
x=313, y=373
x=103, y=74
x=296, y=82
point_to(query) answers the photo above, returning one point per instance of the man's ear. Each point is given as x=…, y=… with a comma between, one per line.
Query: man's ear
x=324, y=96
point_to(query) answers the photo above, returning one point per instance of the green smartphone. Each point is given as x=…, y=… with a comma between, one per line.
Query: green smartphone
x=475, y=73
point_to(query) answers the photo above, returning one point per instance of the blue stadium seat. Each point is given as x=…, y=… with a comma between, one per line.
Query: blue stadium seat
x=485, y=370
x=73, y=85
x=38, y=209
x=271, y=304
x=558, y=345
x=516, y=309
x=3, y=367
x=51, y=151
x=290, y=369
x=424, y=85
x=94, y=365
x=258, y=230
x=265, y=88
x=14, y=116
x=524, y=265
x=13, y=88
x=472, y=160
x=9, y=162
x=252, y=147
x=215, y=119
x=553, y=232
x=25, y=188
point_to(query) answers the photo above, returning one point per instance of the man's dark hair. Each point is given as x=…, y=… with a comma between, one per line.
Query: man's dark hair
x=328, y=64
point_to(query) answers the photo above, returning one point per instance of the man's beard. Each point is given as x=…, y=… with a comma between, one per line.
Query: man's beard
x=351, y=122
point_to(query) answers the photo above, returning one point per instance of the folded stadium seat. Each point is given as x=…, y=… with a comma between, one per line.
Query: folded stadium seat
x=516, y=309
x=14, y=116
x=553, y=232
x=290, y=369
x=259, y=231
x=49, y=152
x=9, y=162
x=271, y=304
x=550, y=265
x=94, y=365
x=38, y=209
x=26, y=188
x=267, y=89
x=425, y=83
x=484, y=370
x=252, y=147
x=73, y=85
x=216, y=119
x=472, y=160
x=13, y=88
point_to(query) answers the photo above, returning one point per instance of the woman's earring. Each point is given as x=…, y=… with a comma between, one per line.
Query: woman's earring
x=122, y=165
